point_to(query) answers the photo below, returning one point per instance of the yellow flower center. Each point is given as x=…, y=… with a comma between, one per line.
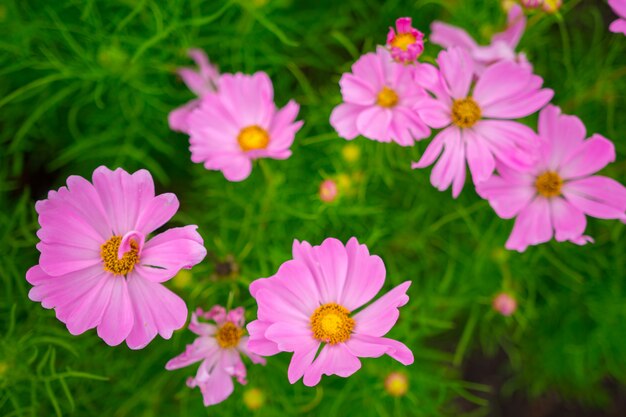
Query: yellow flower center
x=228, y=335
x=549, y=184
x=403, y=40
x=465, y=112
x=108, y=252
x=387, y=97
x=331, y=323
x=253, y=137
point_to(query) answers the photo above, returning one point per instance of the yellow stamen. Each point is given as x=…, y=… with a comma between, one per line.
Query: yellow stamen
x=331, y=323
x=387, y=98
x=108, y=252
x=403, y=40
x=465, y=112
x=549, y=184
x=228, y=335
x=253, y=137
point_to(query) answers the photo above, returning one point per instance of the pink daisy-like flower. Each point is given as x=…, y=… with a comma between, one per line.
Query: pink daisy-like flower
x=309, y=306
x=241, y=123
x=202, y=82
x=406, y=45
x=554, y=195
x=619, y=25
x=99, y=268
x=219, y=346
x=477, y=122
x=379, y=95
x=502, y=45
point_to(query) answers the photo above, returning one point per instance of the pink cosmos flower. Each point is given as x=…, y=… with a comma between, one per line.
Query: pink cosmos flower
x=406, y=45
x=202, y=82
x=219, y=346
x=504, y=304
x=241, y=123
x=502, y=45
x=477, y=122
x=99, y=268
x=310, y=303
x=379, y=96
x=328, y=191
x=619, y=7
x=554, y=195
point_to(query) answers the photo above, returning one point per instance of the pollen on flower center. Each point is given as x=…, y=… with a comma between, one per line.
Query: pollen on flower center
x=331, y=323
x=403, y=40
x=387, y=97
x=253, y=137
x=108, y=252
x=228, y=335
x=549, y=184
x=465, y=112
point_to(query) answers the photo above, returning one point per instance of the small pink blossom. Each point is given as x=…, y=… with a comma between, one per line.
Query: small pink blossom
x=310, y=305
x=619, y=25
x=502, y=47
x=552, y=197
x=240, y=123
x=99, y=268
x=504, y=304
x=202, y=82
x=477, y=118
x=379, y=95
x=219, y=347
x=407, y=44
x=328, y=191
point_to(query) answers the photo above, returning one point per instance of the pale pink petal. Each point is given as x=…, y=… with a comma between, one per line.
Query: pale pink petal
x=506, y=197
x=516, y=24
x=301, y=361
x=450, y=168
x=379, y=317
x=117, y=320
x=200, y=328
x=569, y=222
x=332, y=360
x=618, y=26
x=597, y=196
x=407, y=127
x=167, y=253
x=156, y=310
x=257, y=342
x=371, y=346
x=512, y=143
x=532, y=226
x=59, y=259
x=278, y=304
x=498, y=82
x=373, y=123
x=217, y=387
x=369, y=69
x=243, y=348
x=283, y=129
x=563, y=134
x=590, y=157
x=457, y=68
x=435, y=147
x=357, y=91
x=343, y=120
x=200, y=349
x=364, y=278
x=89, y=309
x=156, y=213
x=332, y=267
x=449, y=36
x=435, y=113
x=290, y=337
x=479, y=157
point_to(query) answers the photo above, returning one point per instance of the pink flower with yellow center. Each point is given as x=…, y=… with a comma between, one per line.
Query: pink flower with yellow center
x=553, y=196
x=98, y=266
x=478, y=119
x=379, y=95
x=240, y=123
x=219, y=348
x=407, y=44
x=315, y=306
x=502, y=47
x=619, y=25
x=202, y=82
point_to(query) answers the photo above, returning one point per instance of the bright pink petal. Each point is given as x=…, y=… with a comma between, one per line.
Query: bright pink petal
x=117, y=320
x=89, y=309
x=283, y=128
x=156, y=213
x=457, y=68
x=371, y=347
x=258, y=343
x=498, y=82
x=619, y=7
x=435, y=147
x=618, y=26
x=167, y=253
x=450, y=168
x=449, y=36
x=364, y=278
x=343, y=120
x=597, y=196
x=243, y=348
x=58, y=259
x=435, y=113
x=506, y=197
x=216, y=388
x=479, y=157
x=512, y=143
x=589, y=158
x=290, y=337
x=301, y=361
x=516, y=24
x=532, y=226
x=357, y=91
x=373, y=123
x=332, y=360
x=379, y=317
x=564, y=135
x=569, y=222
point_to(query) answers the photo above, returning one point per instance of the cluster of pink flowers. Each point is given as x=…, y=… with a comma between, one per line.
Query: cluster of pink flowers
x=475, y=97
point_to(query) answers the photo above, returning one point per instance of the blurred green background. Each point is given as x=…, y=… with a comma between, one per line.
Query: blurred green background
x=85, y=83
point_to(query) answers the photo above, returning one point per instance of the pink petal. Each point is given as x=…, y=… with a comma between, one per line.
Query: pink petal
x=156, y=310
x=368, y=68
x=532, y=226
x=451, y=165
x=512, y=143
x=435, y=147
x=569, y=222
x=117, y=320
x=597, y=196
x=89, y=309
x=435, y=113
x=370, y=347
x=158, y=211
x=498, y=82
x=619, y=7
x=343, y=120
x=373, y=123
x=364, y=278
x=301, y=361
x=449, y=36
x=457, y=68
x=516, y=24
x=618, y=26
x=357, y=91
x=278, y=304
x=407, y=127
x=59, y=259
x=564, y=135
x=218, y=387
x=332, y=360
x=167, y=253
x=258, y=343
x=479, y=157
x=590, y=157
x=379, y=317
x=201, y=348
x=290, y=337
x=284, y=127
x=331, y=261
x=243, y=348
x=506, y=197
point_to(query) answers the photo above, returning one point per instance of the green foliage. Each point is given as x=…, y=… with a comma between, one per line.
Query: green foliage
x=86, y=83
